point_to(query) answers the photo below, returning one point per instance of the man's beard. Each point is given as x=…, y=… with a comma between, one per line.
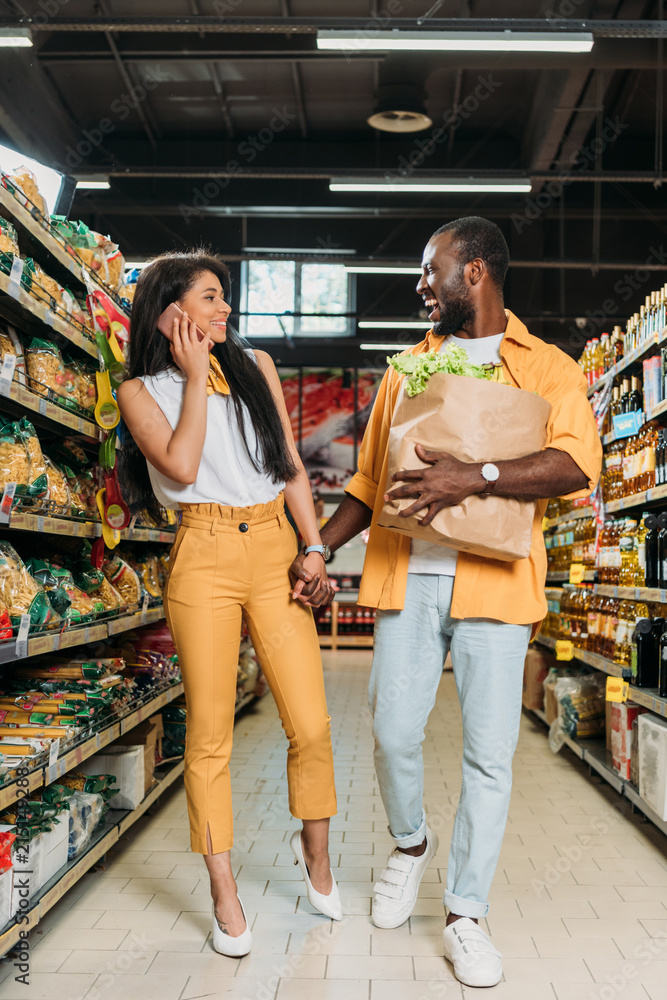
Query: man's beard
x=459, y=311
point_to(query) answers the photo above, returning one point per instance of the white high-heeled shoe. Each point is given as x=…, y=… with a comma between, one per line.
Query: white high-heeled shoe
x=225, y=944
x=329, y=905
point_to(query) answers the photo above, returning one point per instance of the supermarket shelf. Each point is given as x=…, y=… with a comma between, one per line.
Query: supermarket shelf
x=575, y=514
x=82, y=529
x=594, y=753
x=591, y=659
x=59, y=414
x=44, y=775
x=58, y=249
x=39, y=310
x=117, y=822
x=632, y=593
x=553, y=593
x=637, y=499
x=54, y=641
x=563, y=576
x=639, y=353
x=335, y=642
x=649, y=698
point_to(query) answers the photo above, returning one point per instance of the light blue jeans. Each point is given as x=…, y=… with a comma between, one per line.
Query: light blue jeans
x=488, y=656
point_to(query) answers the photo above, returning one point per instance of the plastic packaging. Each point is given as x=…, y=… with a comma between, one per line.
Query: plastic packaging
x=86, y=810
x=45, y=368
x=21, y=594
x=582, y=708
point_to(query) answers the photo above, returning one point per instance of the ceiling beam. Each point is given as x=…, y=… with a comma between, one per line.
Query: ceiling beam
x=601, y=28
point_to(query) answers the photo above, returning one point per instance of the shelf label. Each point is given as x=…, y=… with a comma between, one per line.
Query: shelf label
x=7, y=374
x=49, y=318
x=52, y=768
x=564, y=649
x=42, y=407
x=22, y=637
x=617, y=689
x=40, y=522
x=627, y=424
x=144, y=606
x=577, y=573
x=6, y=503
x=15, y=278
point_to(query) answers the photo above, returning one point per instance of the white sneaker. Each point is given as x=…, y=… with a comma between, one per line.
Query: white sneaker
x=476, y=962
x=395, y=894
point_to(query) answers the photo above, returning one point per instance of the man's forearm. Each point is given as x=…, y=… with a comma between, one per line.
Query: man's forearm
x=548, y=473
x=350, y=518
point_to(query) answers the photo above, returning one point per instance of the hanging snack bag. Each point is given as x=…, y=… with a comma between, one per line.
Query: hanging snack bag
x=45, y=368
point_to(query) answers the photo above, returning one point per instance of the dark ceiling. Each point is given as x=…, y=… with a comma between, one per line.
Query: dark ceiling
x=239, y=122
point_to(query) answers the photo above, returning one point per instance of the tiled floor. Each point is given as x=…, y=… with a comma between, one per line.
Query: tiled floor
x=578, y=905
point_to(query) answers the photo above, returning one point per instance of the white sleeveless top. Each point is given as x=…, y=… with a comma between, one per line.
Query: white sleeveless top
x=225, y=475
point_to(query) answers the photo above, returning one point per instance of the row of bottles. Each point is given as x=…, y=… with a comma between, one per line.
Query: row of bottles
x=633, y=634
x=352, y=620
x=602, y=353
x=571, y=541
x=635, y=464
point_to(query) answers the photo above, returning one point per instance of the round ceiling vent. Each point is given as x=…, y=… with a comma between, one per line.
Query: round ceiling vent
x=400, y=108
x=399, y=121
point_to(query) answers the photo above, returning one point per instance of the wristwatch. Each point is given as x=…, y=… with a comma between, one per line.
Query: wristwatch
x=324, y=551
x=490, y=473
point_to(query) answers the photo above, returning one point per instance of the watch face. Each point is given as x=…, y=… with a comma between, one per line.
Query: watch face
x=326, y=553
x=490, y=472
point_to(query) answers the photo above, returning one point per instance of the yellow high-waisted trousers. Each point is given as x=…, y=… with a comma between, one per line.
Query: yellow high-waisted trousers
x=228, y=563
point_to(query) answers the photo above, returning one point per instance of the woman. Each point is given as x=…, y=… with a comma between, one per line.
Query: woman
x=210, y=436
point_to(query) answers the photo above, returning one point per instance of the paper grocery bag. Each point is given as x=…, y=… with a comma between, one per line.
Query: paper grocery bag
x=475, y=421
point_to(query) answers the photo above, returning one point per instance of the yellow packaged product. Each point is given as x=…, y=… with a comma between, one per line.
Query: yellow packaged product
x=45, y=368
x=60, y=500
x=10, y=344
x=9, y=242
x=24, y=182
x=14, y=458
x=124, y=579
x=21, y=594
x=48, y=290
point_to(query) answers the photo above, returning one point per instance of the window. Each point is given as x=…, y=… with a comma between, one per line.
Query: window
x=287, y=298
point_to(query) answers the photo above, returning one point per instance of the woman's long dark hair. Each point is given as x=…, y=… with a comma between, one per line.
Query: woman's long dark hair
x=167, y=279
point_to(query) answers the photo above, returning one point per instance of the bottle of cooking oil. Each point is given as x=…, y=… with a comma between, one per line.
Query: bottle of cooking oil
x=628, y=547
x=642, y=532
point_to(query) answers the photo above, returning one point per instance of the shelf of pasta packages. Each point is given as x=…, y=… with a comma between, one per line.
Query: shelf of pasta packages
x=42, y=240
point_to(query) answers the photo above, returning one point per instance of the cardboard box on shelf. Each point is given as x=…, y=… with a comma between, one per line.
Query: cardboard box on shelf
x=146, y=735
x=535, y=671
x=652, y=740
x=44, y=856
x=623, y=716
x=127, y=763
x=607, y=724
x=551, y=705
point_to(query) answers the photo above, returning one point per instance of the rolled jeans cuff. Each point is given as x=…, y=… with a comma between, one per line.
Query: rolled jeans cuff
x=465, y=907
x=411, y=839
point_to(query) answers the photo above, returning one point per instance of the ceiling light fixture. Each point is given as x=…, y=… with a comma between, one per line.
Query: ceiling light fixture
x=307, y=250
x=455, y=41
x=382, y=347
x=394, y=324
x=513, y=185
x=380, y=269
x=15, y=38
x=93, y=182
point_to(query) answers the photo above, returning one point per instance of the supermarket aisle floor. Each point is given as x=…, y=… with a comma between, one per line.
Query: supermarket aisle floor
x=577, y=905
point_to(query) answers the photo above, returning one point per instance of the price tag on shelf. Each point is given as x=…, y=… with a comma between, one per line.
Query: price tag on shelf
x=15, y=278
x=42, y=407
x=577, y=573
x=564, y=649
x=49, y=318
x=22, y=637
x=6, y=503
x=40, y=522
x=52, y=767
x=617, y=689
x=144, y=606
x=7, y=374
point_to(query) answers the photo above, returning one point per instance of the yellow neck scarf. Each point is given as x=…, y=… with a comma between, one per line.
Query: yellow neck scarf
x=216, y=381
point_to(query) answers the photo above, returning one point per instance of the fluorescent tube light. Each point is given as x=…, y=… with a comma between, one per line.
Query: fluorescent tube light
x=380, y=269
x=518, y=185
x=15, y=38
x=94, y=182
x=383, y=347
x=394, y=324
x=310, y=250
x=455, y=41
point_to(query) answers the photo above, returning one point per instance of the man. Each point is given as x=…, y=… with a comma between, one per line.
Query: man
x=431, y=599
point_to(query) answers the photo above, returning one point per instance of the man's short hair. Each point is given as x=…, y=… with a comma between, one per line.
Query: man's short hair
x=473, y=237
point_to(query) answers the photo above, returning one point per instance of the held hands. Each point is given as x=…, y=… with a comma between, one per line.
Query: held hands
x=310, y=583
x=189, y=352
x=445, y=483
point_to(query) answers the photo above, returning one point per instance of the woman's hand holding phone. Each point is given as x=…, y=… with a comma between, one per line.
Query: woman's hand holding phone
x=189, y=351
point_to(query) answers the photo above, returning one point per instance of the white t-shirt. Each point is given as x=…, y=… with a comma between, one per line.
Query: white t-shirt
x=225, y=475
x=429, y=557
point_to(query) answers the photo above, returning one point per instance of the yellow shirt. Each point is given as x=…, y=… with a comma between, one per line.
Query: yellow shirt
x=510, y=592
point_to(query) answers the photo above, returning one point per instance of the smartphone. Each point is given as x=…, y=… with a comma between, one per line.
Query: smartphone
x=165, y=323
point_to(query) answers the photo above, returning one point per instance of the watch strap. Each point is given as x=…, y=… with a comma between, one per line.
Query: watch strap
x=314, y=548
